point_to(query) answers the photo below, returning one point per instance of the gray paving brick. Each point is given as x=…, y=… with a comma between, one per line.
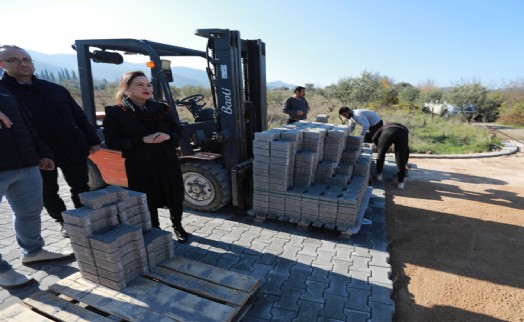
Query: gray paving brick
x=309, y=249
x=289, y=299
x=298, y=277
x=380, y=275
x=306, y=259
x=308, y=311
x=226, y=263
x=379, y=258
x=325, y=256
x=283, y=267
x=274, y=284
x=276, y=246
x=314, y=292
x=261, y=307
x=381, y=312
x=282, y=315
x=361, y=251
x=358, y=300
x=359, y=279
x=268, y=259
x=379, y=244
x=360, y=263
x=356, y=316
x=338, y=285
x=290, y=252
x=381, y=294
x=246, y=263
x=334, y=307
x=341, y=267
x=320, y=274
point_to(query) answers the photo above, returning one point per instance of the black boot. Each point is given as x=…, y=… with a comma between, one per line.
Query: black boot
x=181, y=234
x=63, y=231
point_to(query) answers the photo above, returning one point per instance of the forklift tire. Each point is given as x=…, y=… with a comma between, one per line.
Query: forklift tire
x=207, y=186
x=95, y=177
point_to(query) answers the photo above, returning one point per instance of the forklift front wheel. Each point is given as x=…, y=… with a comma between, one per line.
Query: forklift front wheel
x=207, y=186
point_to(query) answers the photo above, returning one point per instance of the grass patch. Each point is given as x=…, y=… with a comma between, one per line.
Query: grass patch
x=435, y=135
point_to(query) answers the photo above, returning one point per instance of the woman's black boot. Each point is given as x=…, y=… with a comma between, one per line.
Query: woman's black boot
x=181, y=234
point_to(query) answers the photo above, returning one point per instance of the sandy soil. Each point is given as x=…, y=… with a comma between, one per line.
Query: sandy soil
x=457, y=240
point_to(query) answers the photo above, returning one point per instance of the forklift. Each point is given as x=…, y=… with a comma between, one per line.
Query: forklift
x=216, y=151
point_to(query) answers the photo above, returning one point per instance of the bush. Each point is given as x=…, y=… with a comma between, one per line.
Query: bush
x=513, y=115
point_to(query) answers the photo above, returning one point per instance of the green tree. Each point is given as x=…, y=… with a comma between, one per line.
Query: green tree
x=409, y=95
x=357, y=91
x=429, y=94
x=474, y=94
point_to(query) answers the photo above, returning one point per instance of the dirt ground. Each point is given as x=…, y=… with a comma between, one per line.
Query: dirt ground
x=457, y=240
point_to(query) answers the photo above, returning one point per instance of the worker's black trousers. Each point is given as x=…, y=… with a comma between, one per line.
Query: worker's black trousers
x=398, y=137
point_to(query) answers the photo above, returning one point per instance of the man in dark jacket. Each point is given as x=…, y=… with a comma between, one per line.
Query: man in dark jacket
x=393, y=134
x=296, y=106
x=58, y=120
x=22, y=153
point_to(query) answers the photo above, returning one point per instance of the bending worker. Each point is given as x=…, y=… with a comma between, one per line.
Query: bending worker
x=393, y=134
x=368, y=120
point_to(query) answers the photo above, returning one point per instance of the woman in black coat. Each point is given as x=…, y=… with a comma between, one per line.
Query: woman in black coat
x=147, y=134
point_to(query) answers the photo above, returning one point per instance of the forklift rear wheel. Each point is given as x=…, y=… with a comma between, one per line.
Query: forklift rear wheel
x=207, y=186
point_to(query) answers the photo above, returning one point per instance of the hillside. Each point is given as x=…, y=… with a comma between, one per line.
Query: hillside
x=183, y=76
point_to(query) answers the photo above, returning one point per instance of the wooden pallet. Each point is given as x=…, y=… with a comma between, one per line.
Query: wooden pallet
x=345, y=232
x=177, y=290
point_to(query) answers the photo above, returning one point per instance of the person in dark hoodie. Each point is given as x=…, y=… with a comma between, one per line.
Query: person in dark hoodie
x=22, y=154
x=58, y=120
x=393, y=134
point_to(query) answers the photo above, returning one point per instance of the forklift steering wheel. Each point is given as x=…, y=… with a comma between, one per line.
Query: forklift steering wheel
x=190, y=100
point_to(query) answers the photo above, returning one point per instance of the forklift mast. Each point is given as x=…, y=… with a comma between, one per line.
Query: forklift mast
x=238, y=77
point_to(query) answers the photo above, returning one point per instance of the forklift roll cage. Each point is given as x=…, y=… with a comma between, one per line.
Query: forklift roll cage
x=237, y=76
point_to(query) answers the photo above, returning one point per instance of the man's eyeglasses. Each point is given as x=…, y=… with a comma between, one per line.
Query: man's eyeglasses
x=17, y=61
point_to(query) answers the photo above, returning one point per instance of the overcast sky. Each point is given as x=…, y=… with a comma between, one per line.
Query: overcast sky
x=446, y=42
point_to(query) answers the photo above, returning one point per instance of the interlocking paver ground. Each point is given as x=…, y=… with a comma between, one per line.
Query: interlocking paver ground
x=308, y=274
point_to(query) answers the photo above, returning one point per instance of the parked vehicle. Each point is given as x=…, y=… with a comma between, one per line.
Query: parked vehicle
x=446, y=110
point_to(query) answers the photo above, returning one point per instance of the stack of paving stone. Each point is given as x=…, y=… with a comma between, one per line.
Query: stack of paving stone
x=310, y=173
x=112, y=236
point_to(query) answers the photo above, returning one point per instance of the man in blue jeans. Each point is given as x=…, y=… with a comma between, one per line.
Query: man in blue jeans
x=23, y=153
x=58, y=120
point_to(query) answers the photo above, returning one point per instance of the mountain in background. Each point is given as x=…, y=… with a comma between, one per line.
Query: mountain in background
x=111, y=73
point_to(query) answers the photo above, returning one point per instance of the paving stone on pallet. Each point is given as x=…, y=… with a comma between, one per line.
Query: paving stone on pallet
x=121, y=192
x=261, y=151
x=268, y=135
x=131, y=211
x=266, y=145
x=135, y=198
x=86, y=267
x=111, y=240
x=81, y=257
x=85, y=215
x=98, y=198
x=115, y=285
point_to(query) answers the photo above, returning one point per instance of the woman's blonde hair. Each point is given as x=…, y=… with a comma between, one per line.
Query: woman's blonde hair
x=126, y=79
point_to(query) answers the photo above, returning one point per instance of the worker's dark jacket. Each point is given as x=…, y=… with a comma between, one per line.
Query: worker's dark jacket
x=20, y=146
x=125, y=128
x=56, y=117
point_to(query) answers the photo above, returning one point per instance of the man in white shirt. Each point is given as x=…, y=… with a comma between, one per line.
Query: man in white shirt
x=368, y=120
